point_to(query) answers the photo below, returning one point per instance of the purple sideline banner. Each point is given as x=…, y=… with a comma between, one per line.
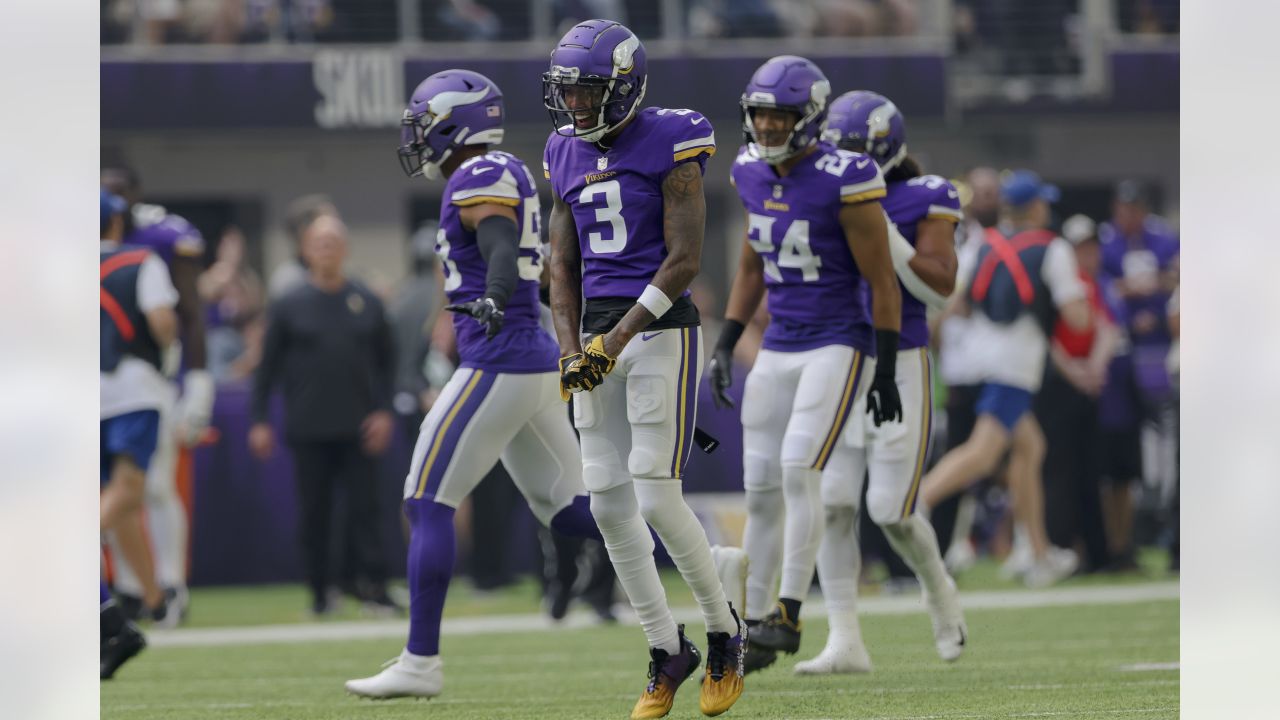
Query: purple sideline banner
x=245, y=524
x=345, y=89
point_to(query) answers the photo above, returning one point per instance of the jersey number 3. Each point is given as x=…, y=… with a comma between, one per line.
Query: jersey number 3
x=611, y=213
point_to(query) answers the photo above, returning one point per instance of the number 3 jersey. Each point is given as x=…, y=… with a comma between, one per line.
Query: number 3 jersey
x=793, y=222
x=522, y=346
x=928, y=197
x=617, y=204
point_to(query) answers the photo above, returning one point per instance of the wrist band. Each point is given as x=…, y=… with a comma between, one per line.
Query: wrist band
x=655, y=301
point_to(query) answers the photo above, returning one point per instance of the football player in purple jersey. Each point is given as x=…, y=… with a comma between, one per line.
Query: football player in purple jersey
x=503, y=402
x=626, y=240
x=815, y=230
x=923, y=210
x=183, y=420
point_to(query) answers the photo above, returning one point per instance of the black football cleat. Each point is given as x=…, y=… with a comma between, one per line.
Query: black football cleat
x=117, y=649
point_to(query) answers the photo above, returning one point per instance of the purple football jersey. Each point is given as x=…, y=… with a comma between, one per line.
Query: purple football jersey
x=793, y=222
x=1140, y=257
x=923, y=198
x=522, y=346
x=616, y=196
x=167, y=235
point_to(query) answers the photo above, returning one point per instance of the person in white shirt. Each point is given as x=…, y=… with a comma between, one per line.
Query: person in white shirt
x=138, y=322
x=1024, y=279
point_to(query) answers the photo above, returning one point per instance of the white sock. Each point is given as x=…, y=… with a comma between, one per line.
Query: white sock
x=630, y=548
x=839, y=565
x=167, y=530
x=914, y=540
x=662, y=505
x=124, y=579
x=803, y=534
x=762, y=539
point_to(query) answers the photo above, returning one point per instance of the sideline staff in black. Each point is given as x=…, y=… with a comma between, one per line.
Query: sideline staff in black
x=329, y=345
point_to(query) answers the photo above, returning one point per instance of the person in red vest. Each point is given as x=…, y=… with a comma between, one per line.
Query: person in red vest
x=136, y=301
x=1024, y=280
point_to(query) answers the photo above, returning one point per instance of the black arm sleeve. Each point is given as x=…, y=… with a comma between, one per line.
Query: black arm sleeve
x=729, y=335
x=273, y=350
x=384, y=360
x=499, y=241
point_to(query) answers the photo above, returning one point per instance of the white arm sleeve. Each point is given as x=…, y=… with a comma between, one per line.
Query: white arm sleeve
x=1061, y=274
x=155, y=288
x=901, y=250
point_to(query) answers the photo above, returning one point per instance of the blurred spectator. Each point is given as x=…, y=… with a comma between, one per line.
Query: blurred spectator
x=299, y=215
x=1025, y=279
x=1148, y=17
x=958, y=366
x=804, y=18
x=234, y=302
x=1067, y=408
x=463, y=20
x=329, y=345
x=1140, y=256
x=413, y=311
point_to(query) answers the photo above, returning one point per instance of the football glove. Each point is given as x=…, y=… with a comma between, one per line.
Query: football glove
x=576, y=375
x=721, y=372
x=595, y=354
x=883, y=401
x=485, y=312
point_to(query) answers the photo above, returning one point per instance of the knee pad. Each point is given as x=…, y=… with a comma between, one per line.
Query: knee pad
x=884, y=508
x=760, y=473
x=765, y=502
x=598, y=476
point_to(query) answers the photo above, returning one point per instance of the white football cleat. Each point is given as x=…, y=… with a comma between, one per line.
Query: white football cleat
x=949, y=631
x=406, y=676
x=731, y=567
x=844, y=658
x=1058, y=564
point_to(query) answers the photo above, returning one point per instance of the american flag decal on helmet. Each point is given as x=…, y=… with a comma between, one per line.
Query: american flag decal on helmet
x=493, y=111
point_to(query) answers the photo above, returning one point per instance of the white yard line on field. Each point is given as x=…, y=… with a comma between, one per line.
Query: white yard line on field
x=535, y=622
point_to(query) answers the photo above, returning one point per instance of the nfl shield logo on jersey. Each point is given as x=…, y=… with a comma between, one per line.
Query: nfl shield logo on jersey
x=777, y=192
x=602, y=163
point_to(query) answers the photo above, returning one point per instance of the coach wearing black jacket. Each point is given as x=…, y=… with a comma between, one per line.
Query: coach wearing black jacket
x=329, y=346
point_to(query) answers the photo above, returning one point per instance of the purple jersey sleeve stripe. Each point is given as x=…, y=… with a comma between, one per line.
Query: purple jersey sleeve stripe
x=842, y=411
x=443, y=428
x=926, y=420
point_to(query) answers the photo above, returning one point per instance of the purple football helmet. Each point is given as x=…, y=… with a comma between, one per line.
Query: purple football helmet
x=596, y=81
x=448, y=110
x=792, y=83
x=870, y=123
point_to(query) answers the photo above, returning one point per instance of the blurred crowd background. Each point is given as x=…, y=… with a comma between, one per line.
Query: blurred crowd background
x=240, y=114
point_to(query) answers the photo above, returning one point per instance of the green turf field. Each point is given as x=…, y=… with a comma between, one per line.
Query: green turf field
x=1054, y=662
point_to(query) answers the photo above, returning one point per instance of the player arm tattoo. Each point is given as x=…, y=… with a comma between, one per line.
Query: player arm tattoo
x=684, y=214
x=867, y=232
x=186, y=276
x=566, y=277
x=935, y=259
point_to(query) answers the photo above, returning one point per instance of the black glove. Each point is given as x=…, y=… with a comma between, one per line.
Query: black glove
x=883, y=401
x=721, y=367
x=485, y=311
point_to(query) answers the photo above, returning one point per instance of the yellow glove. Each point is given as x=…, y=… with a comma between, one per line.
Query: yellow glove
x=576, y=375
x=596, y=355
